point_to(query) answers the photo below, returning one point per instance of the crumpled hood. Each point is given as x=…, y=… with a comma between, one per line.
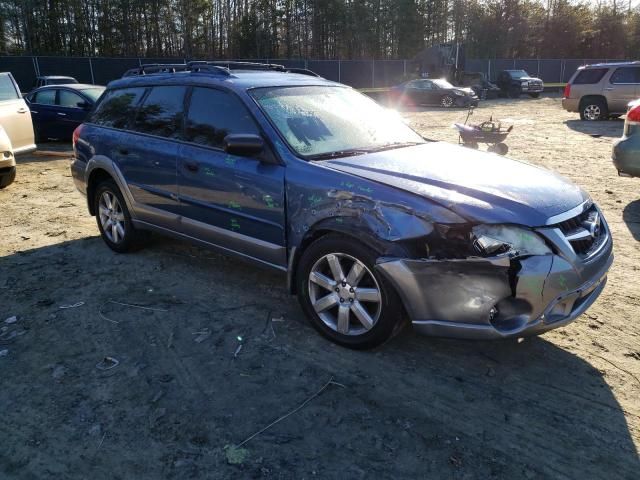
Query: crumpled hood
x=478, y=186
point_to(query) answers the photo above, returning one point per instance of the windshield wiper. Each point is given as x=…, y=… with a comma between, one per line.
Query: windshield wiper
x=338, y=154
x=391, y=146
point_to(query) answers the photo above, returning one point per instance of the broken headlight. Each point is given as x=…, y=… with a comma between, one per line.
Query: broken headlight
x=491, y=240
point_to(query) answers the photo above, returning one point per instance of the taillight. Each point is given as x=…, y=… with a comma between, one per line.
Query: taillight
x=567, y=90
x=76, y=134
x=633, y=115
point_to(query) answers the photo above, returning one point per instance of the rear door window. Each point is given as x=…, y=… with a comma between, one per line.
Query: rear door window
x=586, y=77
x=162, y=112
x=7, y=89
x=626, y=75
x=118, y=107
x=45, y=97
x=214, y=114
x=69, y=99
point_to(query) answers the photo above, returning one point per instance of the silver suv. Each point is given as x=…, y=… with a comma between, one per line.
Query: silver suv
x=602, y=90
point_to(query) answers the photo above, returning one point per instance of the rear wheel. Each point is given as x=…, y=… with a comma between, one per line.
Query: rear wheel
x=114, y=220
x=343, y=296
x=593, y=110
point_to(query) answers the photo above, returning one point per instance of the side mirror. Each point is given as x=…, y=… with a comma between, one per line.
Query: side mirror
x=83, y=105
x=243, y=145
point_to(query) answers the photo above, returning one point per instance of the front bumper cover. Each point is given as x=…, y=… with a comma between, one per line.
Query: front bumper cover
x=454, y=298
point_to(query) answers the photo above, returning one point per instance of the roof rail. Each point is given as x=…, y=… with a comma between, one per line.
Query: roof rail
x=217, y=67
x=234, y=65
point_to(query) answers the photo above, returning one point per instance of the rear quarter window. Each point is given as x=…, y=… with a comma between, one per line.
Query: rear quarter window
x=117, y=107
x=586, y=77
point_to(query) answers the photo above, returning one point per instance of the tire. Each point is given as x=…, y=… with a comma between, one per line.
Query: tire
x=381, y=313
x=534, y=95
x=593, y=110
x=124, y=237
x=447, y=101
x=499, y=148
x=7, y=179
x=514, y=92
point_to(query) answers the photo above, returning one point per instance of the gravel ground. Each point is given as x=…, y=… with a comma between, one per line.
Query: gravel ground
x=221, y=351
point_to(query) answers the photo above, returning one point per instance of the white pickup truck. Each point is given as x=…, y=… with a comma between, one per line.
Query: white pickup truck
x=16, y=129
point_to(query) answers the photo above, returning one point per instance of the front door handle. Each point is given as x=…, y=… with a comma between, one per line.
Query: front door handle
x=62, y=114
x=191, y=166
x=33, y=111
x=22, y=110
x=608, y=88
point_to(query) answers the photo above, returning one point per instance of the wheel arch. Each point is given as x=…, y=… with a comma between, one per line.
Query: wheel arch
x=357, y=232
x=96, y=177
x=590, y=98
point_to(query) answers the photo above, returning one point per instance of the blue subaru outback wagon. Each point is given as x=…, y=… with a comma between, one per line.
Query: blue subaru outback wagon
x=372, y=223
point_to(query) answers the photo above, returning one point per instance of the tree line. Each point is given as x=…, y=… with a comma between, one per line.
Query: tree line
x=319, y=29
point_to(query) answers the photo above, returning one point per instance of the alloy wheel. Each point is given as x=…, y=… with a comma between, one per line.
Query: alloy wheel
x=446, y=101
x=592, y=112
x=111, y=217
x=345, y=294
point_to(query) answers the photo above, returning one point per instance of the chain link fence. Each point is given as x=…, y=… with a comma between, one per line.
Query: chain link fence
x=356, y=73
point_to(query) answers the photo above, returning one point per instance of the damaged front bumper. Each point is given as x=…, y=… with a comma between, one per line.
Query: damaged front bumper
x=489, y=298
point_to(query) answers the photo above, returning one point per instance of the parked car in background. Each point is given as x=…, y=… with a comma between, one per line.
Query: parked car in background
x=477, y=81
x=43, y=81
x=602, y=90
x=514, y=83
x=432, y=92
x=367, y=218
x=626, y=150
x=16, y=135
x=57, y=110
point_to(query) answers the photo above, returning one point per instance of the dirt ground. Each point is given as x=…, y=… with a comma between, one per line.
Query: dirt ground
x=221, y=351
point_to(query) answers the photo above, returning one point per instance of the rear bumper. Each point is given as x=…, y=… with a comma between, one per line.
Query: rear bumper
x=570, y=104
x=626, y=156
x=455, y=298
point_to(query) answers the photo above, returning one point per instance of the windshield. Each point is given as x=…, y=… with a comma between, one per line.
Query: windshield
x=93, y=93
x=325, y=121
x=442, y=83
x=518, y=73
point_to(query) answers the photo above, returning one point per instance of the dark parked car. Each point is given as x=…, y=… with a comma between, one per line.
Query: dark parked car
x=43, y=81
x=626, y=150
x=477, y=82
x=368, y=220
x=514, y=83
x=433, y=92
x=56, y=111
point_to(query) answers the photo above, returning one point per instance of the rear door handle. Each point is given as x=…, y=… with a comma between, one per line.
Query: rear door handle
x=22, y=110
x=33, y=111
x=192, y=166
x=608, y=88
x=62, y=114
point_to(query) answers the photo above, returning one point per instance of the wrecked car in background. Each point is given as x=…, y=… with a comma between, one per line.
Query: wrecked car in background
x=432, y=92
x=370, y=221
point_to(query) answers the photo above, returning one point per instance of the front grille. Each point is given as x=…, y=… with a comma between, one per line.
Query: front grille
x=584, y=232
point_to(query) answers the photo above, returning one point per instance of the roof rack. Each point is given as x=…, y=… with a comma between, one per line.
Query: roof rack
x=219, y=67
x=152, y=68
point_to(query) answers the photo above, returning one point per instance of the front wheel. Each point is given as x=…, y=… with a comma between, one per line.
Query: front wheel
x=514, y=92
x=447, y=101
x=7, y=178
x=343, y=296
